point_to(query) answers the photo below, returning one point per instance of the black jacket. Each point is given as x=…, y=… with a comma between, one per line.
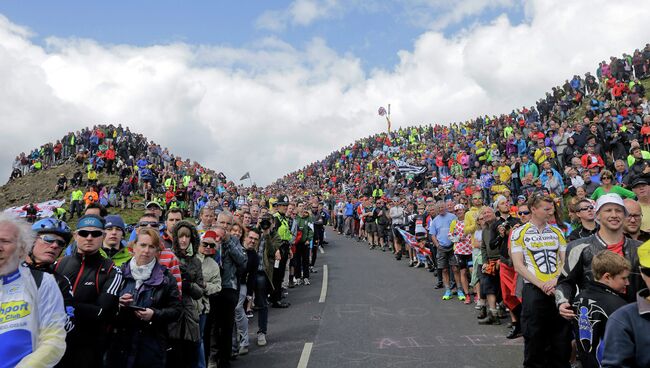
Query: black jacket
x=139, y=343
x=576, y=272
x=187, y=326
x=593, y=306
x=96, y=282
x=581, y=232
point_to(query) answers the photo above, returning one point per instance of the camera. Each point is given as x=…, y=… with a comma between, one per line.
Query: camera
x=265, y=223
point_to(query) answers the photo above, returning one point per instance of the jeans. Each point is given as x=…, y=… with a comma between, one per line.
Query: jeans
x=240, y=334
x=302, y=261
x=201, y=361
x=261, y=301
x=221, y=341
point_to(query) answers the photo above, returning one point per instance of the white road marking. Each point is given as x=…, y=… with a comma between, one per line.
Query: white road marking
x=304, y=357
x=322, y=251
x=323, y=290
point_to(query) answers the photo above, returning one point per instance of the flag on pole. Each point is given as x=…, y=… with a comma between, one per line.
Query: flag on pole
x=406, y=168
x=246, y=176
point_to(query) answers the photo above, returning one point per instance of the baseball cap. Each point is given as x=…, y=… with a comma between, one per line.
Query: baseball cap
x=90, y=221
x=641, y=179
x=522, y=197
x=114, y=221
x=459, y=207
x=153, y=203
x=612, y=198
x=644, y=254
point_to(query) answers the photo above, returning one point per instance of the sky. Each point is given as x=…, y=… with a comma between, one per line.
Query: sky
x=268, y=87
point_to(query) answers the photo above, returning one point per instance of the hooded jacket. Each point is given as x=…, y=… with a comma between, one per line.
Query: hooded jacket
x=233, y=261
x=187, y=326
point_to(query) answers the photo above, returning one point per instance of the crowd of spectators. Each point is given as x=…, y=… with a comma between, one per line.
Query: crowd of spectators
x=454, y=198
x=485, y=205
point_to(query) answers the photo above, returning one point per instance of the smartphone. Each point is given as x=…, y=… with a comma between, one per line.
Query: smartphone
x=135, y=308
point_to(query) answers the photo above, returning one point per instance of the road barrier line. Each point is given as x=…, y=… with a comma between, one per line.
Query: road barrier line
x=304, y=357
x=323, y=290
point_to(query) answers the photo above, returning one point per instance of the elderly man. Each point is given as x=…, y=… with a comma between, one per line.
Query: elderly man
x=27, y=339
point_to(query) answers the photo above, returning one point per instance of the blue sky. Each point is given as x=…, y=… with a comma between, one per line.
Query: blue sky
x=371, y=30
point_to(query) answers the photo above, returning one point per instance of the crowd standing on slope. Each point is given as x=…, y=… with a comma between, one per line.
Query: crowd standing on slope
x=486, y=205
x=536, y=216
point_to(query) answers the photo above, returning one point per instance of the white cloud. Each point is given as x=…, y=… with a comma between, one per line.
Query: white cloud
x=299, y=13
x=272, y=108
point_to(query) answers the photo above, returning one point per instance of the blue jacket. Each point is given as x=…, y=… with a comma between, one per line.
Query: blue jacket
x=349, y=209
x=626, y=336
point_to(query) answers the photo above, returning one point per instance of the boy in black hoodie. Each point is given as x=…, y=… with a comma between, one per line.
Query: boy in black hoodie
x=597, y=302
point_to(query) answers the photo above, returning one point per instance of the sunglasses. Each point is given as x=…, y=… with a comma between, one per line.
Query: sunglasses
x=92, y=233
x=606, y=177
x=523, y=213
x=208, y=245
x=49, y=239
x=148, y=224
x=588, y=208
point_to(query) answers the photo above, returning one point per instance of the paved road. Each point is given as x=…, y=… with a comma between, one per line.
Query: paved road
x=377, y=313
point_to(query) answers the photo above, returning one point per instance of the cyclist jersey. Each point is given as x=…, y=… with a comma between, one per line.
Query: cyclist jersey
x=541, y=249
x=32, y=320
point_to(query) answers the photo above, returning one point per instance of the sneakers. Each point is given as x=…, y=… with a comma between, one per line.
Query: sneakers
x=292, y=282
x=490, y=319
x=438, y=286
x=461, y=296
x=467, y=301
x=313, y=269
x=447, y=295
x=261, y=339
x=243, y=350
x=298, y=281
x=306, y=281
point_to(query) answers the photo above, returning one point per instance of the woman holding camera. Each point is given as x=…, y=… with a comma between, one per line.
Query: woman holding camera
x=148, y=301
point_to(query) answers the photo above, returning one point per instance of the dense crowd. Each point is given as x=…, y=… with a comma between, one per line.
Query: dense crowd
x=537, y=215
x=488, y=205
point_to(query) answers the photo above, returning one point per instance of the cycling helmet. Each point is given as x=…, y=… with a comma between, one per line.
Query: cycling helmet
x=53, y=226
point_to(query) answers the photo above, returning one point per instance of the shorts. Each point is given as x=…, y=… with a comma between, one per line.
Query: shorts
x=384, y=231
x=490, y=284
x=464, y=260
x=371, y=227
x=446, y=258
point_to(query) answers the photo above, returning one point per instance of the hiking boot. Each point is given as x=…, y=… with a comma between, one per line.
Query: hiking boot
x=261, y=339
x=490, y=319
x=482, y=312
x=515, y=331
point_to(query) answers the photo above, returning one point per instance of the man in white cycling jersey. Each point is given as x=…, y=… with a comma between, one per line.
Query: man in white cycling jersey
x=32, y=316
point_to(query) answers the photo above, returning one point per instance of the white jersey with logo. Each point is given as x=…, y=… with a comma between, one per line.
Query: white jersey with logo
x=32, y=321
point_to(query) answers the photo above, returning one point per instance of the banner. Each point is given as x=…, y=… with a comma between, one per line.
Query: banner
x=406, y=168
x=45, y=209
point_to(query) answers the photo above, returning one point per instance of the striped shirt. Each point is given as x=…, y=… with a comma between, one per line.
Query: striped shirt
x=168, y=259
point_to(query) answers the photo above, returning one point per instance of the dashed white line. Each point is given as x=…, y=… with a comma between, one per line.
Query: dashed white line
x=304, y=357
x=323, y=290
